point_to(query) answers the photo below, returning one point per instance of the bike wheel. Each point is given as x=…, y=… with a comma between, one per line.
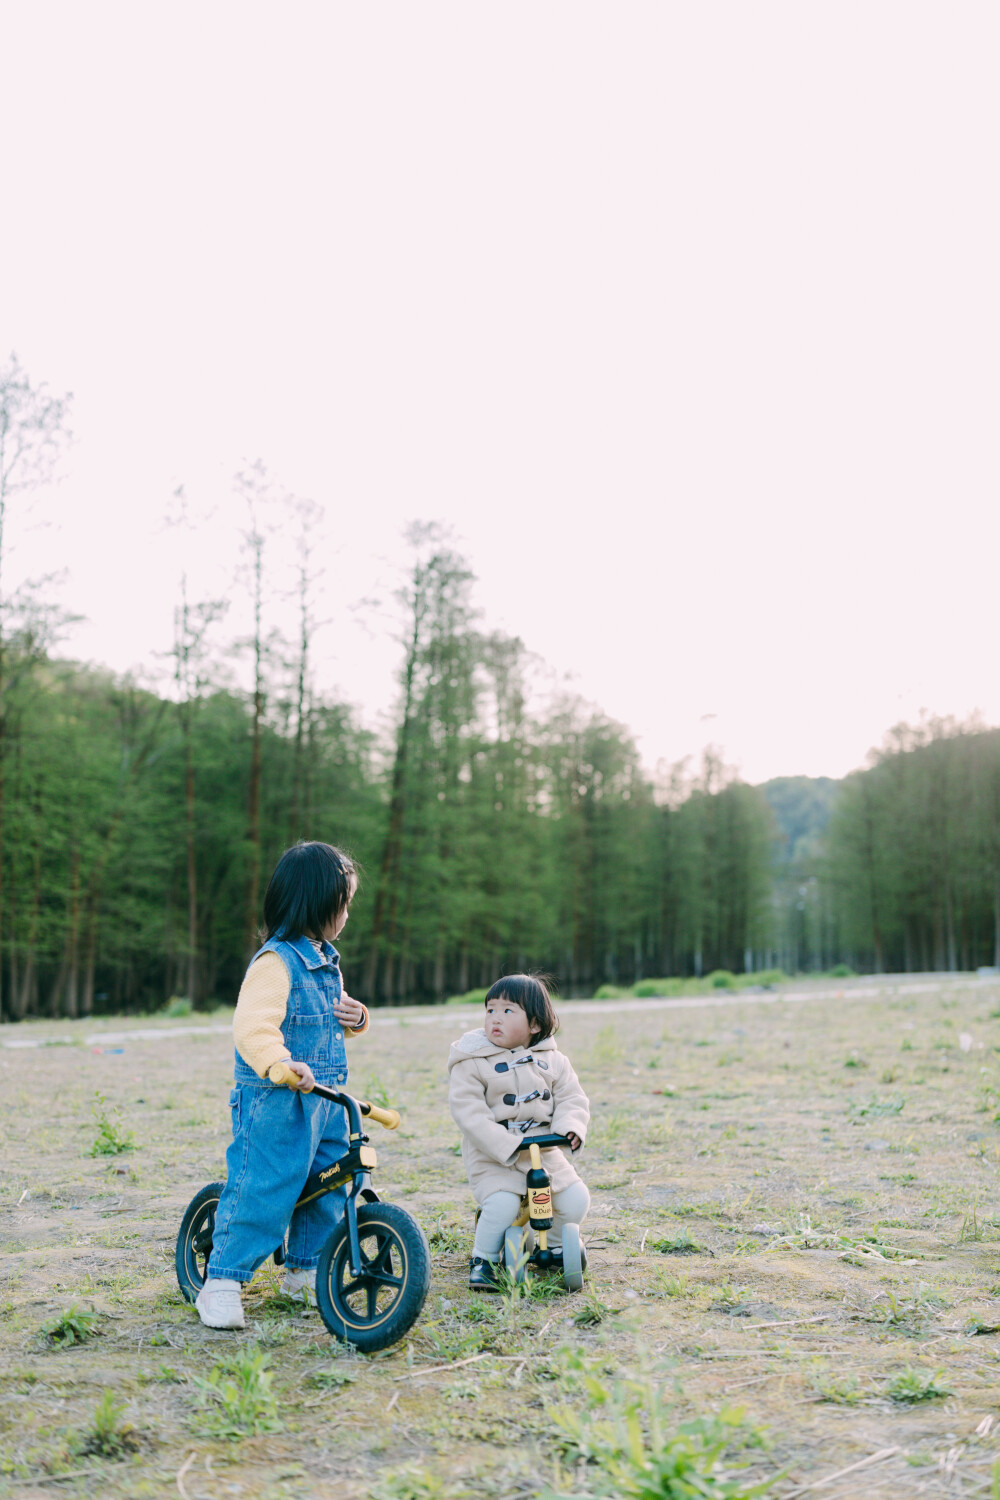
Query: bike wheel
x=572, y=1253
x=515, y=1253
x=194, y=1240
x=375, y=1309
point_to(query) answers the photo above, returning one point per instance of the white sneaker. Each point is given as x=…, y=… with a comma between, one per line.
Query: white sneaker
x=297, y=1282
x=219, y=1303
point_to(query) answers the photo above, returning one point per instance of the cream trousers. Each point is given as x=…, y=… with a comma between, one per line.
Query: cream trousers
x=501, y=1209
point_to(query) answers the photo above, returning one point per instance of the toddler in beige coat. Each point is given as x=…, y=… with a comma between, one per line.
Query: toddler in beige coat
x=506, y=1079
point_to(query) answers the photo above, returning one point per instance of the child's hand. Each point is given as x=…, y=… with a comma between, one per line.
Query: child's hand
x=349, y=1012
x=306, y=1080
x=574, y=1139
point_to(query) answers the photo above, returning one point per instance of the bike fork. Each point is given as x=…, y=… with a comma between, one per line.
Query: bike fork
x=353, y=1238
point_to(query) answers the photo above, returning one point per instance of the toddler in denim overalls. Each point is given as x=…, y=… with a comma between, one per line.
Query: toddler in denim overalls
x=292, y=1008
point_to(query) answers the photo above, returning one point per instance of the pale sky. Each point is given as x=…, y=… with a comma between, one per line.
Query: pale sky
x=685, y=317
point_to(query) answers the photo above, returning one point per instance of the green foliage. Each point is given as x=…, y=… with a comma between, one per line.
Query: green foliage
x=721, y=979
x=450, y=1236
x=109, y=1436
x=177, y=1006
x=474, y=999
x=913, y=1385
x=236, y=1399
x=409, y=1483
x=330, y=1379
x=912, y=849
x=111, y=1139
x=842, y=971
x=611, y=992
x=633, y=1449
x=75, y=1326
x=876, y=1108
x=647, y=988
x=682, y=1244
x=841, y=1390
x=591, y=1311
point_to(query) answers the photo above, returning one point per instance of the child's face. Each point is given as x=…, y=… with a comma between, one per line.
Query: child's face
x=507, y=1025
x=336, y=924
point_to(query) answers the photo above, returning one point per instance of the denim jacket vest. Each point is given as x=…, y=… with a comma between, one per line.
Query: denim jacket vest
x=310, y=1030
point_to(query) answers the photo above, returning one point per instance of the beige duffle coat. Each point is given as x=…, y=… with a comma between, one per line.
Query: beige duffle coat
x=480, y=1074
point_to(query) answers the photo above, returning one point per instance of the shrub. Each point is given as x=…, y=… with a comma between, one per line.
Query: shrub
x=912, y=1385
x=111, y=1140
x=682, y=1245
x=610, y=992
x=237, y=1398
x=842, y=971
x=629, y=1441
x=177, y=1005
x=721, y=979
x=471, y=997
x=646, y=989
x=764, y=976
x=109, y=1436
x=75, y=1326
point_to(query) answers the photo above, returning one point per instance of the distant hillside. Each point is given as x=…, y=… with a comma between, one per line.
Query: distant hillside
x=802, y=806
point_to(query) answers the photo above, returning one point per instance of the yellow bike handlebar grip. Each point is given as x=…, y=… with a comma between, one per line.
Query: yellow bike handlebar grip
x=388, y=1117
x=280, y=1072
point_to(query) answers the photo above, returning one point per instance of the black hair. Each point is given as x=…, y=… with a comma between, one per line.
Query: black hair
x=531, y=993
x=311, y=884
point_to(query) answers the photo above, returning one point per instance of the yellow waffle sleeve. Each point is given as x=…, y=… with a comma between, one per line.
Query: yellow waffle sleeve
x=260, y=1010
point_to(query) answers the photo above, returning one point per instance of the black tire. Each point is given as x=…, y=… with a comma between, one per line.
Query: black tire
x=194, y=1240
x=378, y=1308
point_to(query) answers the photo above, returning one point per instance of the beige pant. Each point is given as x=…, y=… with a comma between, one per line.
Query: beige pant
x=501, y=1209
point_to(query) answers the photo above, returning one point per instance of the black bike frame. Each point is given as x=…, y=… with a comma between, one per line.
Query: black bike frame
x=351, y=1166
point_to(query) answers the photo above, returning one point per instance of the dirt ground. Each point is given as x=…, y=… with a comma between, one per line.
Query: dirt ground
x=793, y=1204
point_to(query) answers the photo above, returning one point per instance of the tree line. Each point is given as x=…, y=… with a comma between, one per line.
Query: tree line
x=491, y=835
x=500, y=823
x=911, y=872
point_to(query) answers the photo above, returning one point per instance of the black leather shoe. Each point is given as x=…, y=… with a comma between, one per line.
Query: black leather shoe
x=482, y=1275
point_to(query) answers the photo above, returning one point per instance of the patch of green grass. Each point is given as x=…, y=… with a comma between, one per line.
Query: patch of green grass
x=683, y=1244
x=913, y=1385
x=111, y=1139
x=236, y=1399
x=330, y=1379
x=627, y=1438
x=450, y=1344
x=591, y=1311
x=666, y=1284
x=75, y=1326
x=450, y=1237
x=109, y=1436
x=875, y=1108
x=906, y=1313
x=840, y=1390
x=162, y=1375
x=409, y=1483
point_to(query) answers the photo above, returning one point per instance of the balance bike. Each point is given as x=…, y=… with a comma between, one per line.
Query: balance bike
x=374, y=1270
x=525, y=1245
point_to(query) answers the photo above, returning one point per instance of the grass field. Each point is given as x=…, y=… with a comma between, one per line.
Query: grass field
x=792, y=1247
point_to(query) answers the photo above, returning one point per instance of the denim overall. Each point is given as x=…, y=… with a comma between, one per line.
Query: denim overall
x=281, y=1135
